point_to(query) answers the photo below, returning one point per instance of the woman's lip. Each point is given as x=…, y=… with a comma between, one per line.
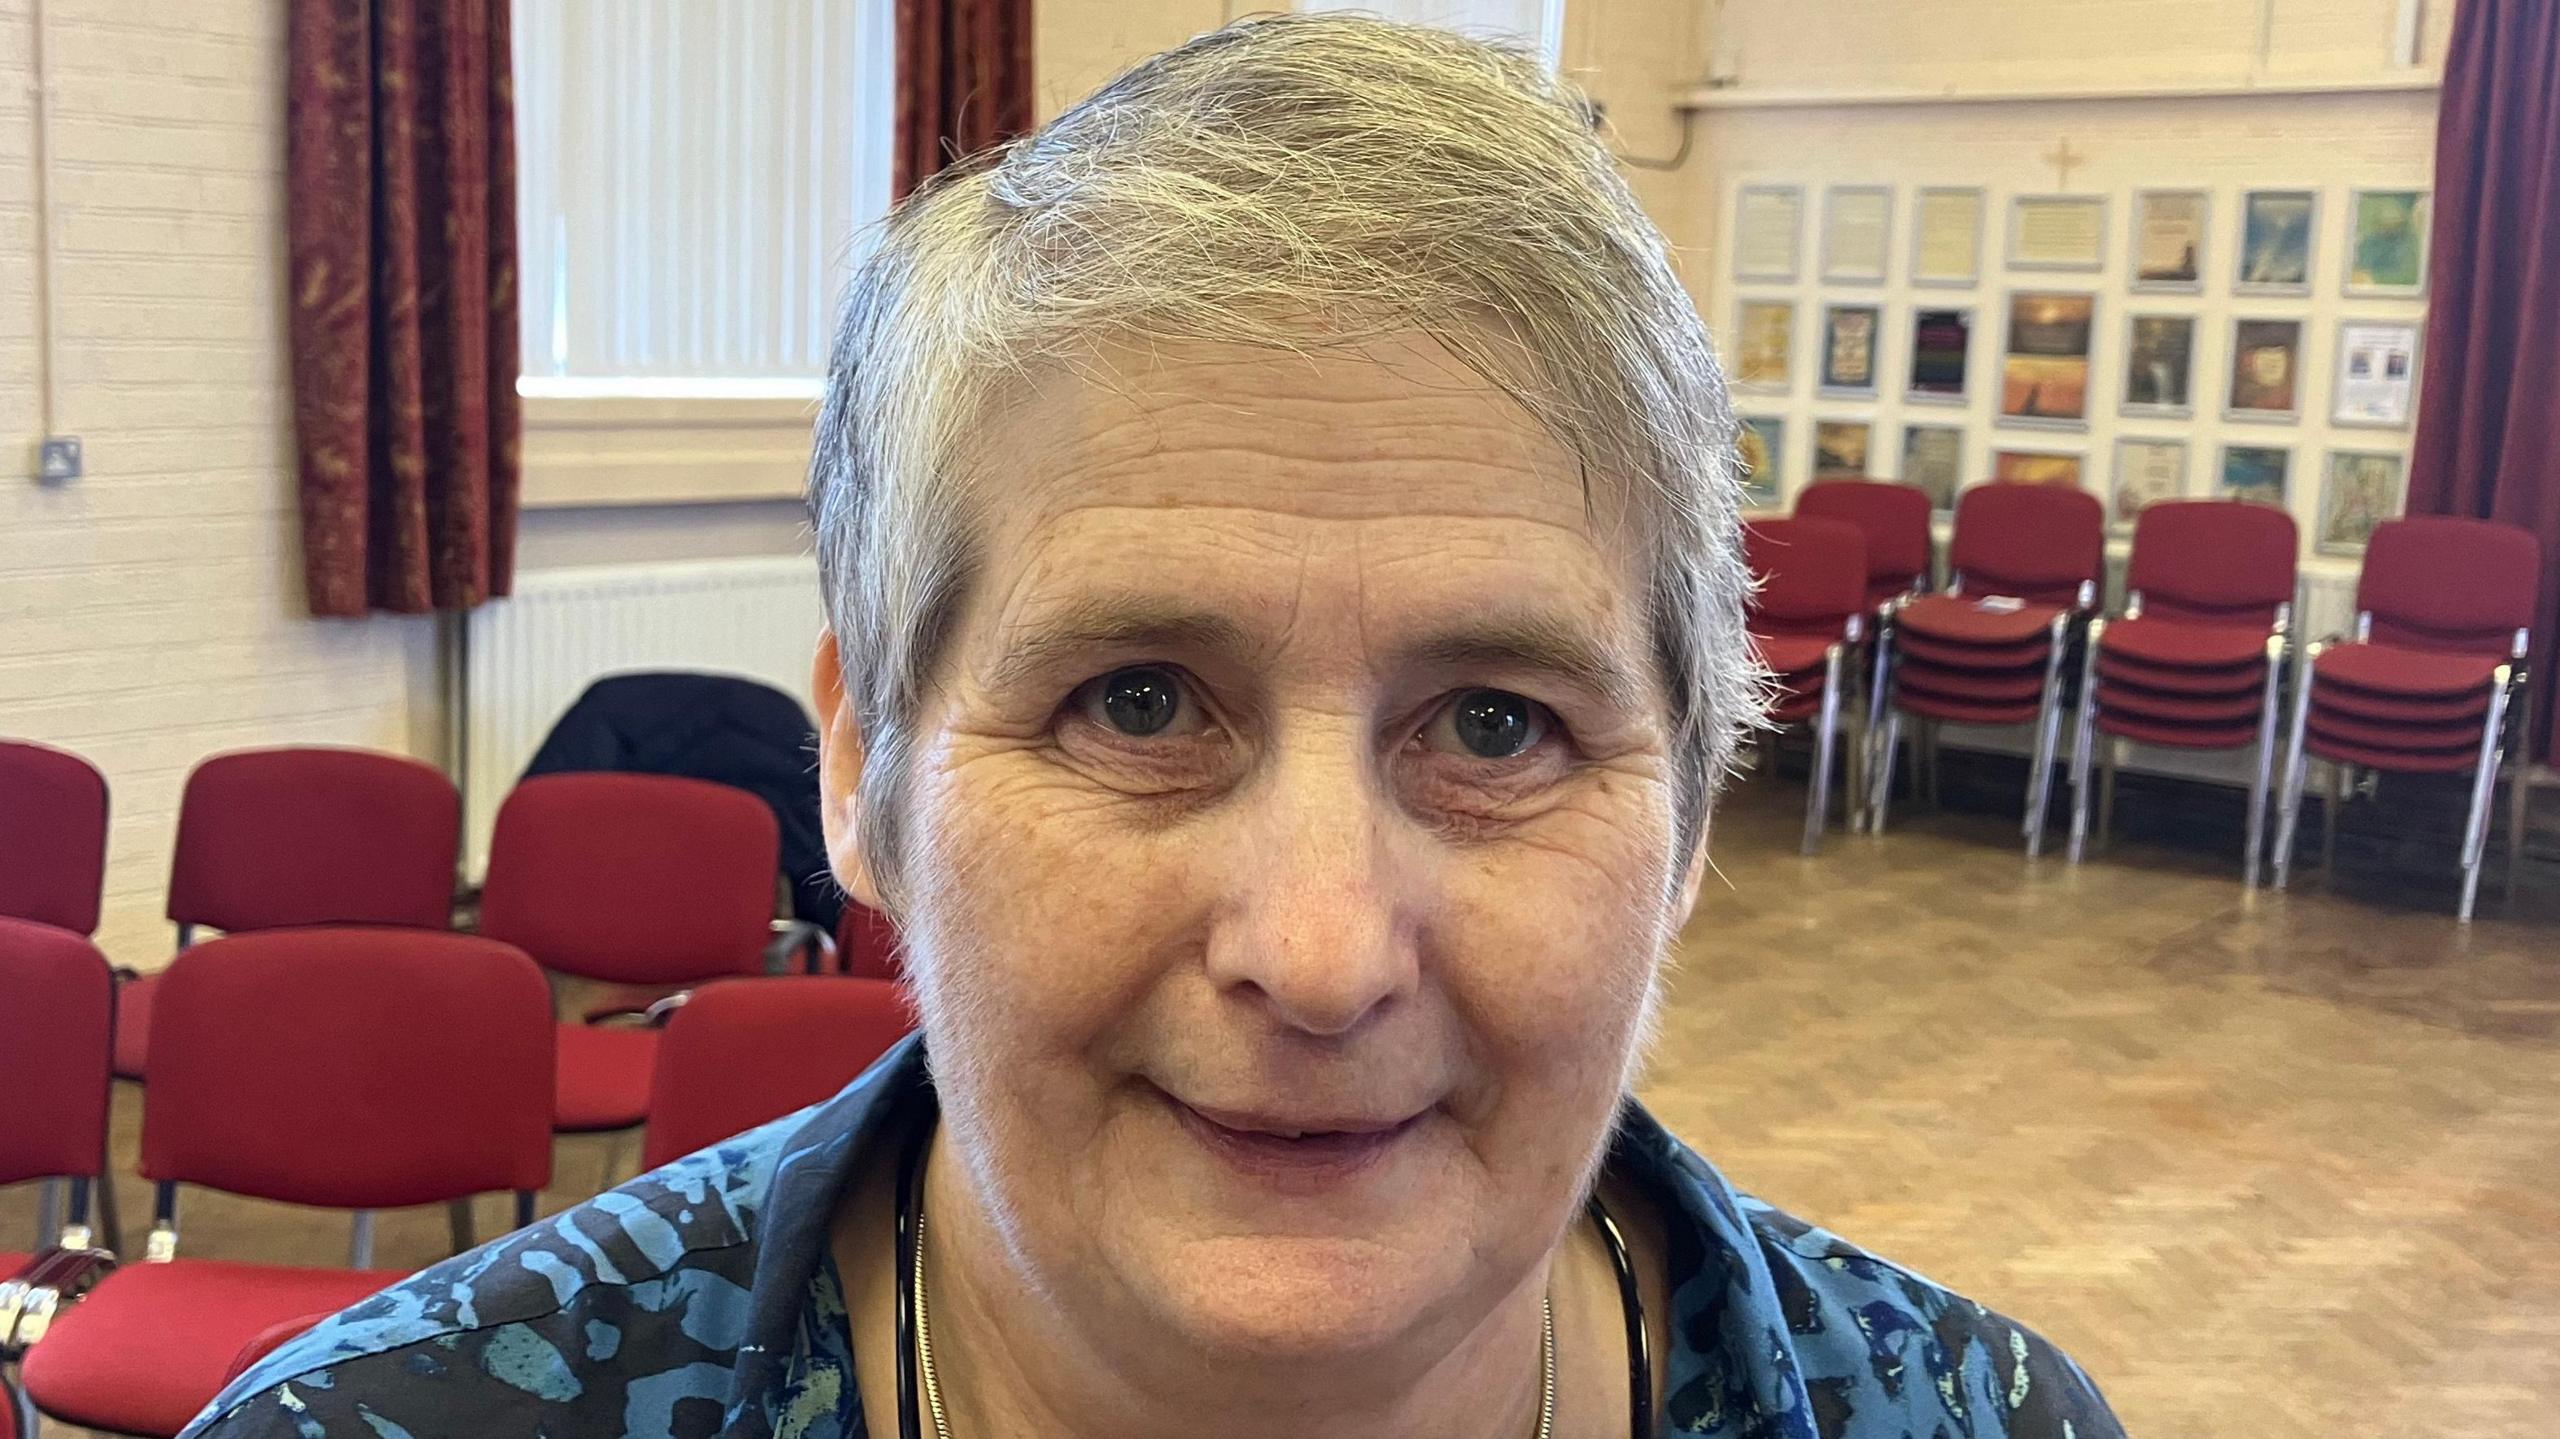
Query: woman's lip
x=1311, y=1164
x=1283, y=1125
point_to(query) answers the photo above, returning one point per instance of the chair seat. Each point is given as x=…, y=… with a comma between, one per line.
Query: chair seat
x=603, y=1080
x=147, y=1348
x=1997, y=688
x=2394, y=735
x=2391, y=670
x=2181, y=644
x=2400, y=709
x=2344, y=751
x=1789, y=654
x=2173, y=735
x=133, y=1024
x=1915, y=646
x=1967, y=621
x=11, y=1261
x=2168, y=707
x=2244, y=679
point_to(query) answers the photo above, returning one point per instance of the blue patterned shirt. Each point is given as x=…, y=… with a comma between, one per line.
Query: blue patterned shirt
x=700, y=1300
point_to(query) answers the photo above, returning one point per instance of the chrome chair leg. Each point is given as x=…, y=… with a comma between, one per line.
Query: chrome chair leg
x=1826, y=735
x=2084, y=733
x=2266, y=765
x=1880, y=798
x=2475, y=835
x=2519, y=794
x=2296, y=763
x=2329, y=818
x=2048, y=736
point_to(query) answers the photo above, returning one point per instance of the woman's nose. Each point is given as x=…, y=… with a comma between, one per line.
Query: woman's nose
x=1323, y=927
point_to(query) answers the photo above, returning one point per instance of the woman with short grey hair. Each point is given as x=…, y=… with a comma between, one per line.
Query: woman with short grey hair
x=1279, y=536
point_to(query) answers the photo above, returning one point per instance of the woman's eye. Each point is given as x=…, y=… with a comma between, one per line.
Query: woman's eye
x=1489, y=724
x=1142, y=702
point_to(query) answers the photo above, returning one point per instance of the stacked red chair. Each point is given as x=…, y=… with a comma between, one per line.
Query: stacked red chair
x=2197, y=657
x=638, y=880
x=737, y=1053
x=1895, y=520
x=2024, y=569
x=2430, y=682
x=312, y=1066
x=57, y=1010
x=1805, y=621
x=53, y=849
x=275, y=838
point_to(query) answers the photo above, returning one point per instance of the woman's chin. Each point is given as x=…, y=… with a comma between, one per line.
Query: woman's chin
x=1282, y=1299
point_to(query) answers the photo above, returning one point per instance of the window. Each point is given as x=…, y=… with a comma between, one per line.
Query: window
x=692, y=184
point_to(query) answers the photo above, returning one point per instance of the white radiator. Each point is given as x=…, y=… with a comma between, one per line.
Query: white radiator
x=526, y=658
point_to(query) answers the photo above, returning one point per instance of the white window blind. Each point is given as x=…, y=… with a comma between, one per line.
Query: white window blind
x=1540, y=23
x=691, y=181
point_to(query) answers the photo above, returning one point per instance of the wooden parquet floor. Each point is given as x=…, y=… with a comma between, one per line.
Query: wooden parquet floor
x=2269, y=1166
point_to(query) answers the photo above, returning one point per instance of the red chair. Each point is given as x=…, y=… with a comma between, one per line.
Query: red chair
x=274, y=838
x=2196, y=659
x=2427, y=686
x=868, y=945
x=315, y=1066
x=1805, y=621
x=737, y=1053
x=2024, y=568
x=1895, y=520
x=267, y=1341
x=57, y=1009
x=628, y=879
x=53, y=849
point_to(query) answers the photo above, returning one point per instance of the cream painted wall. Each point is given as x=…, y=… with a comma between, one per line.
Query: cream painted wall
x=151, y=612
x=1775, y=58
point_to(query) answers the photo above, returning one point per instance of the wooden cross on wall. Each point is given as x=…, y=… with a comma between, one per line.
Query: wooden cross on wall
x=2064, y=160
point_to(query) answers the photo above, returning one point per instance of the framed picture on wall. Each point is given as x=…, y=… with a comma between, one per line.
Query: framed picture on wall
x=2036, y=467
x=2254, y=474
x=2058, y=232
x=2387, y=243
x=2159, y=365
x=1941, y=346
x=1933, y=460
x=2275, y=241
x=2147, y=472
x=1768, y=230
x=1857, y=234
x=2266, y=371
x=2044, y=372
x=1764, y=347
x=1849, y=349
x=1946, y=237
x=2376, y=383
x=1840, y=449
x=2169, y=228
x=2359, y=490
x=1763, y=442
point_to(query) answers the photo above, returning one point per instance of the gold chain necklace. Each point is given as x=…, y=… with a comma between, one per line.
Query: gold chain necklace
x=932, y=1383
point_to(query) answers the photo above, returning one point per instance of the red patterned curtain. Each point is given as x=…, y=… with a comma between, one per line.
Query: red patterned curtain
x=964, y=81
x=401, y=176
x=2488, y=443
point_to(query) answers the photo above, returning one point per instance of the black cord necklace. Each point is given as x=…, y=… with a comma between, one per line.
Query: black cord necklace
x=911, y=1212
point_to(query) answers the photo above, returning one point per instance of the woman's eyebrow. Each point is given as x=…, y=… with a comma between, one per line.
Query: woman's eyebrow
x=1086, y=625
x=1533, y=642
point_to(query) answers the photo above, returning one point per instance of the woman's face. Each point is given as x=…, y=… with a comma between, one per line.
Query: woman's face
x=1293, y=842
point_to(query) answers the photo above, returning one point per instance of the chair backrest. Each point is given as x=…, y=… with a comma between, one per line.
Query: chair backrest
x=307, y=835
x=632, y=878
x=57, y=1015
x=2435, y=582
x=744, y=1051
x=351, y=1068
x=53, y=842
x=1895, y=520
x=1812, y=574
x=2036, y=542
x=267, y=1341
x=2212, y=560
x=868, y=945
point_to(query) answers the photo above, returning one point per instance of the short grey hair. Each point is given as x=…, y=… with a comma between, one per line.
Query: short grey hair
x=1289, y=181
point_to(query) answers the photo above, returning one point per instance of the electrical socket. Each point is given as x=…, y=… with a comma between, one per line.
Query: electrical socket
x=58, y=460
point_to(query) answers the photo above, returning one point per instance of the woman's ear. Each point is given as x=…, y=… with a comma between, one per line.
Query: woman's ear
x=840, y=774
x=1690, y=883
